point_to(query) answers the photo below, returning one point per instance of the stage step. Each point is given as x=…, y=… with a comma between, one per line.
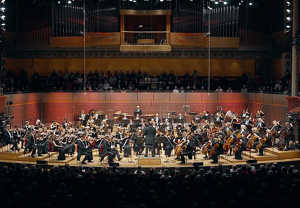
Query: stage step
x=254, y=156
x=27, y=157
x=291, y=154
x=231, y=159
x=149, y=161
x=66, y=161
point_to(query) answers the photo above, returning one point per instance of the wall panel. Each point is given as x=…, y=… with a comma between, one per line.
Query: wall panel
x=57, y=106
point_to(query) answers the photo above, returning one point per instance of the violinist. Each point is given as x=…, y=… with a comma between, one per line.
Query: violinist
x=139, y=142
x=81, y=147
x=168, y=143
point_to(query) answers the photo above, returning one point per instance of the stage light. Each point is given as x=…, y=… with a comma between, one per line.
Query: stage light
x=216, y=2
x=161, y=0
x=250, y=3
x=58, y=2
x=3, y=17
x=225, y=2
x=288, y=18
x=69, y=2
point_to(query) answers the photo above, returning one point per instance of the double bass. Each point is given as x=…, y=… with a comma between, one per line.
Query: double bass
x=251, y=141
x=227, y=144
x=212, y=152
x=180, y=148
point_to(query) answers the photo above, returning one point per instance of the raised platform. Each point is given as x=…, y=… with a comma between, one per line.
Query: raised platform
x=254, y=156
x=231, y=160
x=149, y=161
x=53, y=159
x=271, y=155
x=281, y=155
x=27, y=157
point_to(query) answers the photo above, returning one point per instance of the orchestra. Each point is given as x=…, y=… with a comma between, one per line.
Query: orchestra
x=183, y=136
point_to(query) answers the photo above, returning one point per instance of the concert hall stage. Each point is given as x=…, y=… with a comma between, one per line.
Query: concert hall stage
x=271, y=156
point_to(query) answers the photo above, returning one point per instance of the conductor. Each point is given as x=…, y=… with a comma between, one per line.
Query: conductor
x=149, y=134
x=138, y=111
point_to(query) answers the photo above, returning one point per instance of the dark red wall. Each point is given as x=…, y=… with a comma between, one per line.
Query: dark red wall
x=2, y=104
x=57, y=106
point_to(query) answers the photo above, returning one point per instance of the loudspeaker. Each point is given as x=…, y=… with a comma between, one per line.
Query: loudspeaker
x=42, y=162
x=251, y=161
x=197, y=164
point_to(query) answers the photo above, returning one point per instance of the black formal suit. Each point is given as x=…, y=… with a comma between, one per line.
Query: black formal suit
x=109, y=151
x=149, y=133
x=7, y=137
x=137, y=111
x=31, y=145
x=157, y=120
x=81, y=149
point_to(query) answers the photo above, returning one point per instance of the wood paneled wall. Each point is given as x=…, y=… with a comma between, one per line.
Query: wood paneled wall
x=92, y=40
x=57, y=106
x=190, y=40
x=2, y=104
x=178, y=66
x=200, y=40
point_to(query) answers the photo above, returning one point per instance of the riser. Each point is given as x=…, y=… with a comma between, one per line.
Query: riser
x=230, y=159
x=149, y=161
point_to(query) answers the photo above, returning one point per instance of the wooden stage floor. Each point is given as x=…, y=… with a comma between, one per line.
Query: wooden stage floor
x=271, y=156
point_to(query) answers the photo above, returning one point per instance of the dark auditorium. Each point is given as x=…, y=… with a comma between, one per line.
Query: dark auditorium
x=149, y=103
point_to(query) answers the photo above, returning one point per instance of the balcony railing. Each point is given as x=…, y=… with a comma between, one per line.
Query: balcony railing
x=145, y=38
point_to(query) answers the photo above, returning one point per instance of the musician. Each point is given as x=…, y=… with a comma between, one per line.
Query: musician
x=58, y=147
x=109, y=151
x=42, y=144
x=149, y=134
x=31, y=144
x=15, y=139
x=248, y=122
x=82, y=118
x=7, y=135
x=260, y=124
x=158, y=143
x=137, y=111
x=240, y=147
x=126, y=145
x=88, y=150
x=38, y=124
x=157, y=119
x=81, y=148
x=216, y=150
x=139, y=142
x=168, y=144
x=288, y=135
x=180, y=119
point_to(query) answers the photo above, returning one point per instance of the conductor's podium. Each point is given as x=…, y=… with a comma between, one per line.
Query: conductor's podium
x=149, y=161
